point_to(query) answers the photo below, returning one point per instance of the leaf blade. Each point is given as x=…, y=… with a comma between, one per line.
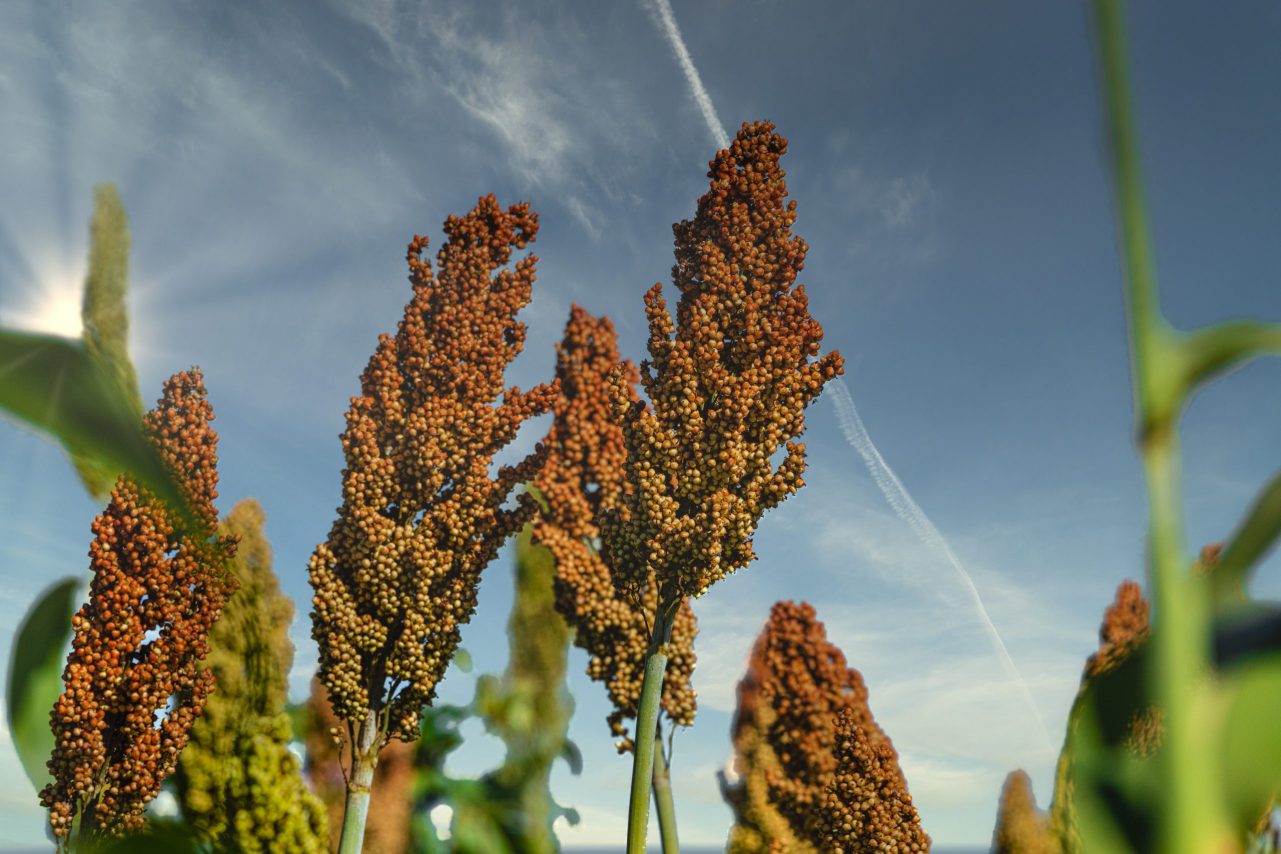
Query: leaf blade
x=35, y=675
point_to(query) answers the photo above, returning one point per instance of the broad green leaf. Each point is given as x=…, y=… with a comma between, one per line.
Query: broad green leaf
x=1252, y=738
x=56, y=387
x=1110, y=786
x=35, y=676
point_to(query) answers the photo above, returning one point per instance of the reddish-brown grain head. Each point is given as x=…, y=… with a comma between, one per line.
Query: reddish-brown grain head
x=134, y=680
x=582, y=479
x=421, y=515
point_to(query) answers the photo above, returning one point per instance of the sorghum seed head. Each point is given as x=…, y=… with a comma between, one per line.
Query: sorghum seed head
x=786, y=739
x=134, y=680
x=727, y=381
x=421, y=516
x=583, y=478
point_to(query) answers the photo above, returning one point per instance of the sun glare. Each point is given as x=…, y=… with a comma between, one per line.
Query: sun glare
x=51, y=307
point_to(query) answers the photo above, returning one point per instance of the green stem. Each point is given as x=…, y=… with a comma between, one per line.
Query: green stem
x=364, y=758
x=647, y=724
x=1190, y=814
x=663, y=803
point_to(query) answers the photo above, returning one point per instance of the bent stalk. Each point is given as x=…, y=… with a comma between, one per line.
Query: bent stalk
x=647, y=724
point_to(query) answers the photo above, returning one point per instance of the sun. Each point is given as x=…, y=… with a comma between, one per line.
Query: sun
x=51, y=307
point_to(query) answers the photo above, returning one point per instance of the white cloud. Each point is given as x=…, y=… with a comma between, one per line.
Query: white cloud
x=898, y=201
x=526, y=81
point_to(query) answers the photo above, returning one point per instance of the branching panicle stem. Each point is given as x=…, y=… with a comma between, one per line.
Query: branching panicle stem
x=647, y=724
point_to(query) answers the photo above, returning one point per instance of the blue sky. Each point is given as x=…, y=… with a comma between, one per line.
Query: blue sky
x=948, y=166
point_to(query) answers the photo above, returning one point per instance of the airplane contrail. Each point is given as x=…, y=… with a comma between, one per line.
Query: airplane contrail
x=667, y=22
x=906, y=508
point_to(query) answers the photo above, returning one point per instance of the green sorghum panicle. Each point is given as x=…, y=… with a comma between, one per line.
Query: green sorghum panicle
x=239, y=785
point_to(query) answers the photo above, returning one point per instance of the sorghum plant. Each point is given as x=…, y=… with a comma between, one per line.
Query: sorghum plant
x=134, y=678
x=239, y=785
x=583, y=480
x=1218, y=764
x=728, y=382
x=787, y=744
x=1124, y=629
x=421, y=516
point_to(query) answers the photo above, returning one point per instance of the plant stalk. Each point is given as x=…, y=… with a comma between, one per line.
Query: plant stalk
x=1190, y=818
x=364, y=758
x=647, y=724
x=663, y=803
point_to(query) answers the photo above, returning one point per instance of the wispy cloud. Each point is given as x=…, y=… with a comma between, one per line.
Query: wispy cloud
x=522, y=80
x=898, y=202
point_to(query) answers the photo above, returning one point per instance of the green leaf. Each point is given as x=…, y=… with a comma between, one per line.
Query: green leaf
x=1110, y=787
x=56, y=387
x=160, y=836
x=1251, y=541
x=573, y=757
x=1215, y=350
x=1251, y=739
x=35, y=676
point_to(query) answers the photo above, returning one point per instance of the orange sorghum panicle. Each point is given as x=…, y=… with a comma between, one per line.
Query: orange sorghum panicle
x=582, y=478
x=421, y=516
x=866, y=806
x=727, y=382
x=134, y=680
x=785, y=736
x=1124, y=628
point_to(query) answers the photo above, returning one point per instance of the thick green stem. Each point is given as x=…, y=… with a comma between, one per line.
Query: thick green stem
x=663, y=803
x=647, y=725
x=364, y=758
x=1190, y=815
